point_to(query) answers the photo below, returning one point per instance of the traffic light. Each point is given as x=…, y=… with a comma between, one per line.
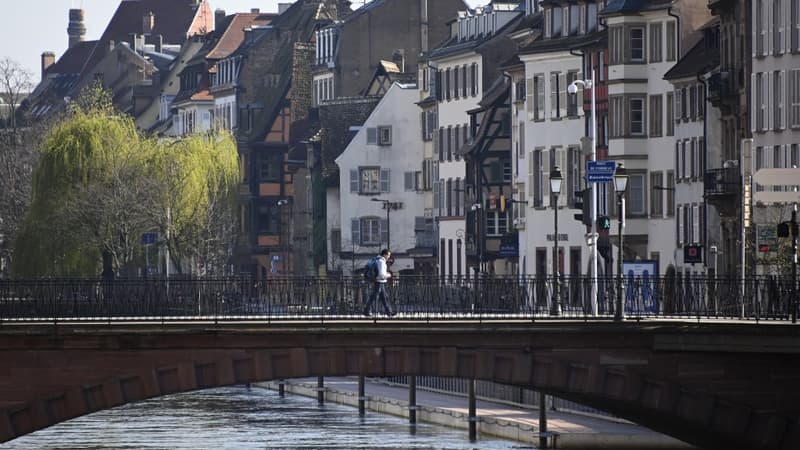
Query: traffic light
x=604, y=223
x=583, y=203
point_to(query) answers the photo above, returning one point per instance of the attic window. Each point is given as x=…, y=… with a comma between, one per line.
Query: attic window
x=385, y=135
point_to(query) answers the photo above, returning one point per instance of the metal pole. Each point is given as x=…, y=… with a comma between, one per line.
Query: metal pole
x=794, y=263
x=412, y=399
x=619, y=314
x=361, y=396
x=388, y=228
x=556, y=310
x=321, y=390
x=542, y=420
x=593, y=187
x=281, y=388
x=473, y=419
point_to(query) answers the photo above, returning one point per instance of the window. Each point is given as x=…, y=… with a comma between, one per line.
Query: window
x=637, y=44
x=496, y=223
x=555, y=95
x=760, y=28
x=447, y=84
x=669, y=115
x=656, y=195
x=794, y=25
x=369, y=230
x=656, y=119
x=369, y=180
x=636, y=198
x=557, y=22
x=761, y=102
x=670, y=193
x=617, y=116
x=573, y=100
x=385, y=135
x=268, y=219
x=269, y=167
x=655, y=42
x=591, y=17
x=538, y=96
x=474, y=72
x=636, y=106
x=574, y=19
x=671, y=41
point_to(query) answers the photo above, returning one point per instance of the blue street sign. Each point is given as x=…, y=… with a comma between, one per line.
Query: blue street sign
x=149, y=238
x=600, y=171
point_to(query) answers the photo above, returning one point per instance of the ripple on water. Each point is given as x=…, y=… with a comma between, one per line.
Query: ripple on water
x=240, y=418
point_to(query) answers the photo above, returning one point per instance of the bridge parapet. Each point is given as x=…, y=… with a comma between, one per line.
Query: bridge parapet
x=413, y=297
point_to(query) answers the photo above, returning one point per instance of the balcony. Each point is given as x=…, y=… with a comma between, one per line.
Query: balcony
x=723, y=86
x=722, y=189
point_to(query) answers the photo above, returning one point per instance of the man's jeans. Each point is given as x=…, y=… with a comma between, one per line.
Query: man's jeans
x=378, y=290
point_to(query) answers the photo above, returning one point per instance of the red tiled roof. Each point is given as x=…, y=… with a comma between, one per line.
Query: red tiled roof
x=73, y=59
x=234, y=33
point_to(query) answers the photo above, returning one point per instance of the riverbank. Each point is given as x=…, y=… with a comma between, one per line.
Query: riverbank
x=569, y=431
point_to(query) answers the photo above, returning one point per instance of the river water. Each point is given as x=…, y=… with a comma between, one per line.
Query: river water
x=242, y=418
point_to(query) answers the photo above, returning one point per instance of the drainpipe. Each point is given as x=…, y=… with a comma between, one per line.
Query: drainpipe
x=677, y=33
x=704, y=156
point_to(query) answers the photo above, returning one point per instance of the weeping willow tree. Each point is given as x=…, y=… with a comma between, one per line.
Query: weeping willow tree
x=100, y=185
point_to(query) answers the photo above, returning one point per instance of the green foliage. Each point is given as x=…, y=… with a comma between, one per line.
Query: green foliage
x=100, y=184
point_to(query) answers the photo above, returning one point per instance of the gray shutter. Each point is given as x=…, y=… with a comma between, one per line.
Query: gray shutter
x=355, y=226
x=353, y=180
x=419, y=223
x=385, y=180
x=384, y=230
x=409, y=180
x=436, y=196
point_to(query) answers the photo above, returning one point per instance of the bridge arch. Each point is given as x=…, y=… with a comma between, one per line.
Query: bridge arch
x=663, y=377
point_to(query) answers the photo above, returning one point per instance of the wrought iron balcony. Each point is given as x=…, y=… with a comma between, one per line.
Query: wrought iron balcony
x=723, y=86
x=722, y=182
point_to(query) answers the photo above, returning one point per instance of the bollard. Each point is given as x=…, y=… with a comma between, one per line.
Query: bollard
x=473, y=419
x=321, y=390
x=361, y=397
x=412, y=399
x=542, y=420
x=281, y=388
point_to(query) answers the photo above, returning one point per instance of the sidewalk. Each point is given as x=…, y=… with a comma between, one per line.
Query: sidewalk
x=495, y=419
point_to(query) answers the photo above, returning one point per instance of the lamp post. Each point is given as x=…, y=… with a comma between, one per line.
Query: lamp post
x=555, y=188
x=620, y=185
x=388, y=206
x=573, y=89
x=285, y=244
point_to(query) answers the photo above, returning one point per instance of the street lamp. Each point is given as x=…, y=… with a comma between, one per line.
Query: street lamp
x=388, y=206
x=285, y=246
x=573, y=89
x=620, y=185
x=555, y=188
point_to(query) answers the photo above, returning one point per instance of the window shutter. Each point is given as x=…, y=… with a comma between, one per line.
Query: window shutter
x=679, y=219
x=355, y=227
x=678, y=105
x=372, y=136
x=545, y=177
x=783, y=105
x=385, y=180
x=531, y=172
x=695, y=223
x=474, y=79
x=561, y=162
x=409, y=178
x=562, y=95
x=384, y=230
x=554, y=94
x=436, y=196
x=754, y=107
x=353, y=180
x=768, y=101
x=529, y=98
x=579, y=95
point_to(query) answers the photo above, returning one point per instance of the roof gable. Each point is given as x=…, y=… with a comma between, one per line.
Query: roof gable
x=233, y=35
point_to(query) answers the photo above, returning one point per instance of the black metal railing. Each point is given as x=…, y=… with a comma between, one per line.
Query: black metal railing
x=726, y=181
x=412, y=297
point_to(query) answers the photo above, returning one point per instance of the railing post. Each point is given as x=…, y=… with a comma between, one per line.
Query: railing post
x=412, y=399
x=473, y=419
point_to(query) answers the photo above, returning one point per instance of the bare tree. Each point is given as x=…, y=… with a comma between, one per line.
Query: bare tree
x=15, y=83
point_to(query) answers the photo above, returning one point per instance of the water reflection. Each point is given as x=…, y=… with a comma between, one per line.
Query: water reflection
x=241, y=418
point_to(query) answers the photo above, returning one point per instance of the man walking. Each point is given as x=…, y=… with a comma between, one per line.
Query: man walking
x=382, y=275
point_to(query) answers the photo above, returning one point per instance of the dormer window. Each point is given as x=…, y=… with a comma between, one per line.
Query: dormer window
x=557, y=22
x=574, y=19
x=591, y=17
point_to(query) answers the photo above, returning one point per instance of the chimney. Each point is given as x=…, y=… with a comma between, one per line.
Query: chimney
x=282, y=7
x=48, y=59
x=219, y=16
x=148, y=22
x=254, y=10
x=398, y=57
x=76, y=29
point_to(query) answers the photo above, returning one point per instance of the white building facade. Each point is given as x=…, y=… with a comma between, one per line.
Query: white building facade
x=378, y=169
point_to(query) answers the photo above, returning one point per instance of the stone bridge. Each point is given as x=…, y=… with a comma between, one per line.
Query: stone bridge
x=716, y=385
